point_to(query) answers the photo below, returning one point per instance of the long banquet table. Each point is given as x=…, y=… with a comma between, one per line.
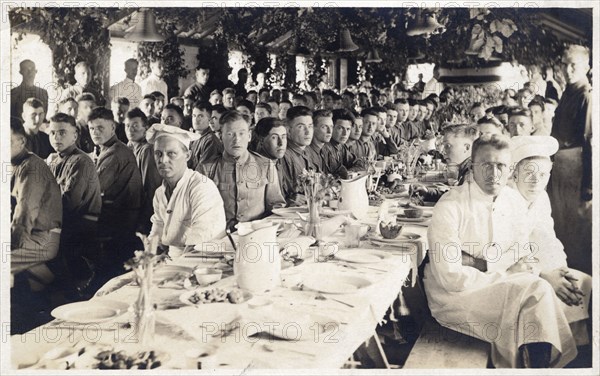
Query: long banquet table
x=345, y=320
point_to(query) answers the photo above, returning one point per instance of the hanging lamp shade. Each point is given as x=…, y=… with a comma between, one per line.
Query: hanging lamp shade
x=373, y=56
x=416, y=26
x=145, y=28
x=346, y=43
x=432, y=26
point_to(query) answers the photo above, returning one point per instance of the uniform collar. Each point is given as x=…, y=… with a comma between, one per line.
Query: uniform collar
x=242, y=159
x=68, y=151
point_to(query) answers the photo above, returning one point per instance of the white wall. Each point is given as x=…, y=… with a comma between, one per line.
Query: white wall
x=120, y=51
x=32, y=48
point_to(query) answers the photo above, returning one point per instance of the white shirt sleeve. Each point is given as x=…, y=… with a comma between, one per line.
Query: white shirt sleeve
x=544, y=243
x=207, y=214
x=157, y=219
x=445, y=251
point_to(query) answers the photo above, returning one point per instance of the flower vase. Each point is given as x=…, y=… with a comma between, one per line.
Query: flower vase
x=145, y=317
x=313, y=224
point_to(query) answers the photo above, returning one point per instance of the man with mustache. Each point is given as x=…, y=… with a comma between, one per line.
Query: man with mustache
x=188, y=210
x=248, y=182
x=480, y=270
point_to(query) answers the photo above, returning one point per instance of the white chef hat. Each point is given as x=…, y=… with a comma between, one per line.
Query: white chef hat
x=162, y=130
x=522, y=147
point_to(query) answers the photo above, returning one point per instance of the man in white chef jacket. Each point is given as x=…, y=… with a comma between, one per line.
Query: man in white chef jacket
x=530, y=176
x=188, y=209
x=494, y=294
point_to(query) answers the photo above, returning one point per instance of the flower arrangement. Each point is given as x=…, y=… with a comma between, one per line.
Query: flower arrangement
x=409, y=155
x=143, y=264
x=317, y=188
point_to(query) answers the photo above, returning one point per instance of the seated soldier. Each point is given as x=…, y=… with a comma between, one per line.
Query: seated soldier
x=323, y=128
x=531, y=173
x=188, y=209
x=36, y=211
x=272, y=136
x=172, y=115
x=520, y=122
x=491, y=126
x=457, y=143
x=159, y=105
x=248, y=182
x=480, y=271
x=86, y=102
x=33, y=116
x=119, y=107
x=136, y=125
x=299, y=125
x=121, y=184
x=81, y=196
x=337, y=158
x=208, y=146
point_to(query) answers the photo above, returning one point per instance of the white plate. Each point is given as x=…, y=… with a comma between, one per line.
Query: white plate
x=403, y=218
x=170, y=271
x=92, y=311
x=335, y=284
x=290, y=212
x=361, y=256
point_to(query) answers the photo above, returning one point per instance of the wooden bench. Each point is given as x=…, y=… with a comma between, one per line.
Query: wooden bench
x=440, y=347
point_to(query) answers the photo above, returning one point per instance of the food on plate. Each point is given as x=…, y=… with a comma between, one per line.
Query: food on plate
x=218, y=295
x=389, y=230
x=121, y=360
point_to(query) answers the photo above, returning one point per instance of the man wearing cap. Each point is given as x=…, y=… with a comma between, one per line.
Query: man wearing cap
x=121, y=184
x=248, y=182
x=531, y=173
x=570, y=188
x=480, y=273
x=188, y=209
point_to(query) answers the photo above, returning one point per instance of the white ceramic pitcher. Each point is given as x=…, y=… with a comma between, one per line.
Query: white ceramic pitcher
x=354, y=197
x=257, y=263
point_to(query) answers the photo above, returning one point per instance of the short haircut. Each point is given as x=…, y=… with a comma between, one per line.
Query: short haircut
x=175, y=108
x=233, y=115
x=379, y=109
x=137, y=113
x=412, y=102
x=299, y=97
x=219, y=108
x=264, y=126
x=24, y=62
x=285, y=101
x=82, y=64
x=129, y=61
x=349, y=94
x=497, y=142
x=251, y=92
x=149, y=96
x=298, y=111
x=400, y=101
x=175, y=99
x=246, y=103
x=69, y=99
x=577, y=50
x=264, y=89
x=101, y=113
x=61, y=117
x=121, y=100
x=343, y=114
x=216, y=91
x=520, y=111
x=266, y=106
x=389, y=107
x=33, y=103
x=228, y=90
x=490, y=120
x=203, y=106
x=321, y=114
x=202, y=65
x=369, y=111
x=328, y=92
x=157, y=94
x=312, y=95
x=86, y=97
x=16, y=126
x=462, y=130
x=537, y=102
